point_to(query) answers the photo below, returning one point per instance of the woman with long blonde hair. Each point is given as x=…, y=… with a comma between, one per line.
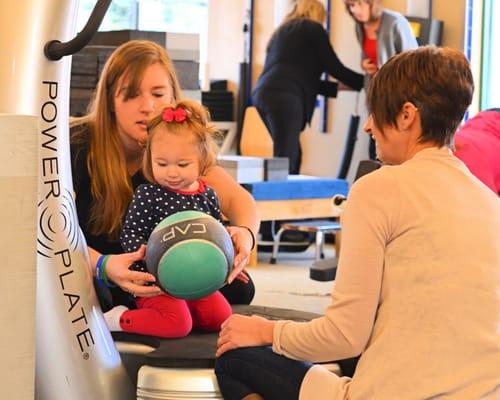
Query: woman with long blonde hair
x=107, y=146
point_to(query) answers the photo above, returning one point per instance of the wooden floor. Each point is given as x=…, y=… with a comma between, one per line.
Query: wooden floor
x=287, y=283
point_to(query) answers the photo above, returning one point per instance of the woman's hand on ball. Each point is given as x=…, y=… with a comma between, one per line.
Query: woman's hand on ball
x=242, y=241
x=117, y=270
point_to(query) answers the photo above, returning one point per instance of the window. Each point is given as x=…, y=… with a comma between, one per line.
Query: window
x=180, y=16
x=482, y=35
x=187, y=16
x=121, y=14
x=490, y=79
x=184, y=16
x=173, y=15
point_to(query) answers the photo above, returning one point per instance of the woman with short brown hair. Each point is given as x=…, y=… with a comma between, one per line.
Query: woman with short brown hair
x=410, y=295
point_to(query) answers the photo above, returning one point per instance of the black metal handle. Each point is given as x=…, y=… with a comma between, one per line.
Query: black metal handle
x=54, y=50
x=352, y=136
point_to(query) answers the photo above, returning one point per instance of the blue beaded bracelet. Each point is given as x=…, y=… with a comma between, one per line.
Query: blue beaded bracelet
x=98, y=265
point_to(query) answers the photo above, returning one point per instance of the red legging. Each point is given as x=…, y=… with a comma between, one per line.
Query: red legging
x=168, y=317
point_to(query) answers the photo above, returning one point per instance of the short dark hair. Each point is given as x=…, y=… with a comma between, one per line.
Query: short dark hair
x=437, y=80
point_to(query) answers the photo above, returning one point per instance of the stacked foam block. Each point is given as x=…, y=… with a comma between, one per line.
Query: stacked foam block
x=88, y=63
x=255, y=169
x=219, y=101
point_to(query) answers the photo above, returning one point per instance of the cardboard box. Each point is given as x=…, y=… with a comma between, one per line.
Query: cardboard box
x=243, y=169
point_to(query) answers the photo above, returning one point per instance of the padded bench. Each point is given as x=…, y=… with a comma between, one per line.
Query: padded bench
x=297, y=187
x=297, y=198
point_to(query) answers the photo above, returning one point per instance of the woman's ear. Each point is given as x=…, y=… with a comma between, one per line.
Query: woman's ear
x=407, y=116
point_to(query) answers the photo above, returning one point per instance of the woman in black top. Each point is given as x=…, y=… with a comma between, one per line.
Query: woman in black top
x=297, y=54
x=106, y=150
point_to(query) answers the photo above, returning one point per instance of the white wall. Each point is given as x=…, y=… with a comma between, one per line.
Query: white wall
x=225, y=40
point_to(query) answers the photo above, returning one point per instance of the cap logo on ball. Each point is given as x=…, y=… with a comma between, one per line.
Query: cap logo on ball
x=190, y=229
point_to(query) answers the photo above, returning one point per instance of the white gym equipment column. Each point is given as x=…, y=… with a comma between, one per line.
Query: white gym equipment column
x=75, y=355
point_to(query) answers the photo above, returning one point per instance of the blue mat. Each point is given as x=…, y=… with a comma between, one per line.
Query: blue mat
x=297, y=187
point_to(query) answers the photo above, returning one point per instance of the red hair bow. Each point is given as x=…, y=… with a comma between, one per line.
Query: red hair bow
x=178, y=115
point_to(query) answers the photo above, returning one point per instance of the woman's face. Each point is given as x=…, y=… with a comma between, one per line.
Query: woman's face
x=133, y=114
x=175, y=160
x=360, y=10
x=390, y=142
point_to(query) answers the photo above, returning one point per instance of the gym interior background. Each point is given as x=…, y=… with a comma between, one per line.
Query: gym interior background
x=467, y=25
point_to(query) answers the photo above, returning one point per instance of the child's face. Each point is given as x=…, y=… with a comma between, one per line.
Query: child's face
x=175, y=161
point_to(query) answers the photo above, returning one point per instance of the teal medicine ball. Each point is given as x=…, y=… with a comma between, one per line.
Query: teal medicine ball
x=191, y=254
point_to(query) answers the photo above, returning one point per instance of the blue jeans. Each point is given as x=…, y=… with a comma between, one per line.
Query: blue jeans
x=259, y=370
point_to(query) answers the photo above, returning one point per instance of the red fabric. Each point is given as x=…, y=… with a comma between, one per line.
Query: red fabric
x=477, y=144
x=168, y=317
x=370, y=49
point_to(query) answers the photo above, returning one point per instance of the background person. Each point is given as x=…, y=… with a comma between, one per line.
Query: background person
x=381, y=33
x=298, y=52
x=409, y=291
x=477, y=144
x=106, y=151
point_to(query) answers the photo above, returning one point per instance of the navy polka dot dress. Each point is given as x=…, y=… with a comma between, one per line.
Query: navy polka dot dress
x=152, y=203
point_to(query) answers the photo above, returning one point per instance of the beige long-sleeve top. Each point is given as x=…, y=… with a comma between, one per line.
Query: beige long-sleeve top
x=417, y=289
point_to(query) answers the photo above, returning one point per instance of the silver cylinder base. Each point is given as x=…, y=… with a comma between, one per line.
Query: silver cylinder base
x=176, y=384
